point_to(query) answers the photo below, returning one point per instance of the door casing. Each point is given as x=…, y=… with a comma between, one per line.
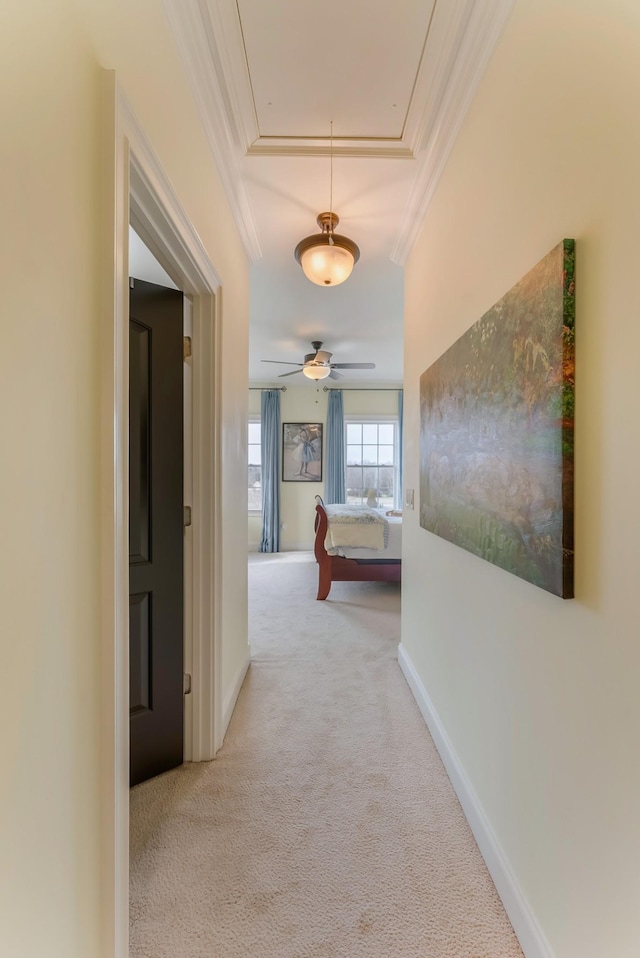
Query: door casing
x=137, y=191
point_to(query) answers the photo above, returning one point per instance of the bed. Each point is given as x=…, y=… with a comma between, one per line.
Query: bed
x=375, y=558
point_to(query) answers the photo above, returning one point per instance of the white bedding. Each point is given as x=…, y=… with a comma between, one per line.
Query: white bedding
x=359, y=532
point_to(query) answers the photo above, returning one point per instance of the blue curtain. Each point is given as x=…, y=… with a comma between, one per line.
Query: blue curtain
x=334, y=489
x=398, y=503
x=270, y=448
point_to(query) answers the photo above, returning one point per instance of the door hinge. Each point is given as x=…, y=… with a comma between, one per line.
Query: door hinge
x=186, y=683
x=186, y=516
x=186, y=347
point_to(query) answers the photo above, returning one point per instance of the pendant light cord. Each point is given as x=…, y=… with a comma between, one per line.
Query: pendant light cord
x=331, y=183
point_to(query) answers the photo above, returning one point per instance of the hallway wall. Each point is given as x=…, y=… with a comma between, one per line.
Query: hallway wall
x=539, y=697
x=52, y=55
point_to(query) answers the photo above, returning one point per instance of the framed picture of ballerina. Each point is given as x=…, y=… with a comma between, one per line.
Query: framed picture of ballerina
x=302, y=452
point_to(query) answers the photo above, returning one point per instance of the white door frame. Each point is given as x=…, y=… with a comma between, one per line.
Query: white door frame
x=136, y=191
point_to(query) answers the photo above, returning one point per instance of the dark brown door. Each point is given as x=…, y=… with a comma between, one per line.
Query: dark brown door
x=155, y=529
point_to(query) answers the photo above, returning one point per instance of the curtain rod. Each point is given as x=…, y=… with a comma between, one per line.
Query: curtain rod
x=363, y=389
x=349, y=389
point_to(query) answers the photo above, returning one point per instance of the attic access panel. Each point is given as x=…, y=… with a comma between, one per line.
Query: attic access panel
x=355, y=64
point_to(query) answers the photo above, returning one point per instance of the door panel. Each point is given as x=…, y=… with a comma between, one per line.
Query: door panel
x=155, y=529
x=139, y=653
x=139, y=441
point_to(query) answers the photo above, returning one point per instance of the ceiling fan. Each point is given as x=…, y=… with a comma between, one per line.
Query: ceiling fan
x=318, y=365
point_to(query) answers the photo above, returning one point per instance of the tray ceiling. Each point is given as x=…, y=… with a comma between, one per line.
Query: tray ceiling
x=396, y=80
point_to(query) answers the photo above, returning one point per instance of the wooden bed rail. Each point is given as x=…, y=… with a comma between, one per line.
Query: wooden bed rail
x=338, y=569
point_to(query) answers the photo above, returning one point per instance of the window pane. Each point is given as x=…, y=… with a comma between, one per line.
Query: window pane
x=354, y=432
x=354, y=455
x=385, y=480
x=369, y=478
x=386, y=430
x=254, y=478
x=370, y=432
x=386, y=455
x=354, y=484
x=255, y=488
x=369, y=454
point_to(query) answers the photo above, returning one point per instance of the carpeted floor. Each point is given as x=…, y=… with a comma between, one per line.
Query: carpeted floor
x=327, y=826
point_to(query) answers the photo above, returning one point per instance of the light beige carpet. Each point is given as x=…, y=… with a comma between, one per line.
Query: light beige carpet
x=326, y=827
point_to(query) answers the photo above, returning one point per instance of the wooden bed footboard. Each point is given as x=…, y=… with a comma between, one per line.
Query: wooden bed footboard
x=338, y=569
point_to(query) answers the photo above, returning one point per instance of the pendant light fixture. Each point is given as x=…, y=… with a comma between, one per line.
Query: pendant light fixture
x=327, y=258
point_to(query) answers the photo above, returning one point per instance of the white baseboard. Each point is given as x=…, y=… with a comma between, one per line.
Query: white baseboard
x=232, y=696
x=525, y=924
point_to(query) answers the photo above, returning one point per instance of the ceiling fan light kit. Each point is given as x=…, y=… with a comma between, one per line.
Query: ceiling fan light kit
x=316, y=372
x=327, y=258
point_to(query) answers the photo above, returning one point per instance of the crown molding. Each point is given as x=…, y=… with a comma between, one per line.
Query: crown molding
x=441, y=49
x=224, y=32
x=479, y=27
x=203, y=61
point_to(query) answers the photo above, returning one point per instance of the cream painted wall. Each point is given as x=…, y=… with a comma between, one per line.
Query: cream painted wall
x=51, y=57
x=49, y=481
x=308, y=403
x=539, y=696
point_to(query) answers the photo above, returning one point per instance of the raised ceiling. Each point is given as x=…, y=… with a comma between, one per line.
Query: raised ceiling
x=396, y=80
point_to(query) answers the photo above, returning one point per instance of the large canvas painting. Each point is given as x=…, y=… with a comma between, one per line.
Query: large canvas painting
x=496, y=431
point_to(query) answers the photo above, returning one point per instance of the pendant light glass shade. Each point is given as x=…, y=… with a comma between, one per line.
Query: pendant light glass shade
x=327, y=258
x=316, y=372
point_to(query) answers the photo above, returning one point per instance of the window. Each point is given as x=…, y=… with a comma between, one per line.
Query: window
x=255, y=466
x=371, y=461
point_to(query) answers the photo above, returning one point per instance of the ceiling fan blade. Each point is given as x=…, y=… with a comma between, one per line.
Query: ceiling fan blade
x=334, y=375
x=280, y=362
x=353, y=365
x=292, y=373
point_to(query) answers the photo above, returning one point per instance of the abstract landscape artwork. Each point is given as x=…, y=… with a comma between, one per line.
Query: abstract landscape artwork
x=496, y=430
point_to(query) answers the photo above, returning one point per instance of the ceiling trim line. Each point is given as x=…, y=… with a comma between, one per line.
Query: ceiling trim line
x=384, y=152
x=440, y=56
x=482, y=30
x=226, y=40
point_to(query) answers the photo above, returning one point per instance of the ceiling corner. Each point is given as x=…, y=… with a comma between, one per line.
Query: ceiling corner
x=466, y=36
